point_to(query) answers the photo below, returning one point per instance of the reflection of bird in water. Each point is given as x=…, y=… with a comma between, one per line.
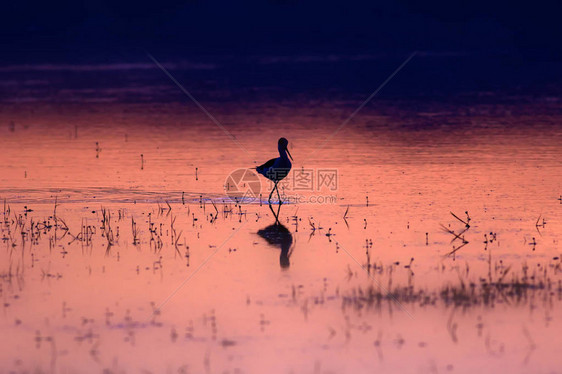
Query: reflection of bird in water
x=279, y=235
x=277, y=168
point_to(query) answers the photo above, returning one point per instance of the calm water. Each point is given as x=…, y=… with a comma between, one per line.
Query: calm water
x=180, y=278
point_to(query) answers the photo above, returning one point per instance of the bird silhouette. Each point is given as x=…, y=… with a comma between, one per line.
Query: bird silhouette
x=278, y=235
x=277, y=168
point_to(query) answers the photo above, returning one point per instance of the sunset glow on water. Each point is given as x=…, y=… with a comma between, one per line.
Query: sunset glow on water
x=436, y=249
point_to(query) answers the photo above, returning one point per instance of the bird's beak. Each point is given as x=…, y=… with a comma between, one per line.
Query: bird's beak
x=289, y=153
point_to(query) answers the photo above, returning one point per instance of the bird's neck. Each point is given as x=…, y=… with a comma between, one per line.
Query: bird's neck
x=283, y=153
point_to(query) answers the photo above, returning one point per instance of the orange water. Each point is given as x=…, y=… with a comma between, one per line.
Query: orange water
x=72, y=305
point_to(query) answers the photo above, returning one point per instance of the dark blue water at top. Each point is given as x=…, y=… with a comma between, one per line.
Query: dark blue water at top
x=451, y=77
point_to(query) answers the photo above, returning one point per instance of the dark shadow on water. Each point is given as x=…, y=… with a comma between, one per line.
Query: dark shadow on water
x=279, y=236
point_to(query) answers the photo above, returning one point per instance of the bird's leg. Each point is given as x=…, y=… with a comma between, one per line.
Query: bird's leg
x=270, y=207
x=275, y=215
x=278, y=210
x=279, y=197
x=273, y=189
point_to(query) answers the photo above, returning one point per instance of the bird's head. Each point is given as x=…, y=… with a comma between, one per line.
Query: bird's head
x=282, y=145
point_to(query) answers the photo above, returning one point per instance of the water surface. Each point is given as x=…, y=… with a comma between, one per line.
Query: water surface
x=123, y=263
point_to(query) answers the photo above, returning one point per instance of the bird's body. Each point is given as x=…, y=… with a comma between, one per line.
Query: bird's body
x=277, y=168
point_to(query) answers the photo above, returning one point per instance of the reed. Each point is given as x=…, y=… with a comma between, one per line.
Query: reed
x=509, y=288
x=106, y=229
x=135, y=232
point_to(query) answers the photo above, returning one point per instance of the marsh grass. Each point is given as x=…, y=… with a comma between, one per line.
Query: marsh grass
x=21, y=232
x=504, y=287
x=135, y=232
